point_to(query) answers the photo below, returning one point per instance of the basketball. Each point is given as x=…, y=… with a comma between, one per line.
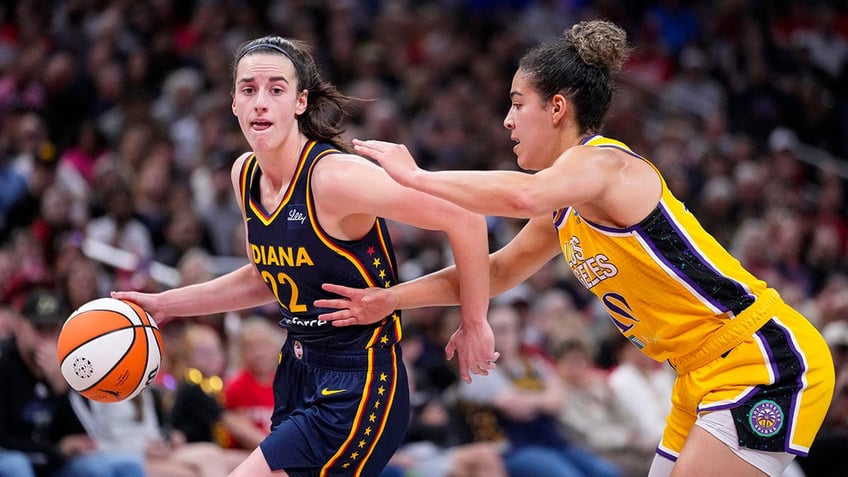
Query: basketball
x=109, y=350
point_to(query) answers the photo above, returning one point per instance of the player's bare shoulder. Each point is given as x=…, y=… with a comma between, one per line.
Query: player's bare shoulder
x=336, y=169
x=591, y=160
x=341, y=176
x=238, y=163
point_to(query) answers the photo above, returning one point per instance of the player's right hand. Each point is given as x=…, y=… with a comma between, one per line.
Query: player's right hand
x=147, y=301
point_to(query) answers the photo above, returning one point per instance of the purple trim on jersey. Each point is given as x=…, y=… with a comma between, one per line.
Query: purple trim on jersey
x=665, y=454
x=606, y=228
x=694, y=252
x=721, y=306
x=623, y=149
x=658, y=253
x=563, y=215
x=703, y=270
x=588, y=138
x=745, y=397
x=799, y=381
x=637, y=228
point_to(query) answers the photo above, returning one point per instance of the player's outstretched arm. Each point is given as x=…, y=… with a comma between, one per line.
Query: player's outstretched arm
x=237, y=290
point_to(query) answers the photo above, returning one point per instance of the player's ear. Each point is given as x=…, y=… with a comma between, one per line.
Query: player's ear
x=559, y=106
x=302, y=101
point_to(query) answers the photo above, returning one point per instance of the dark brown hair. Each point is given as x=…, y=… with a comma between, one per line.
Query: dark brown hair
x=579, y=65
x=326, y=107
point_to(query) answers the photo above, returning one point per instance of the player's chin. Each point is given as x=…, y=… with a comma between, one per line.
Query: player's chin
x=524, y=163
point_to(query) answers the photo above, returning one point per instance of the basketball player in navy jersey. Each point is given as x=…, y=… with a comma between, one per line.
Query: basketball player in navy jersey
x=315, y=213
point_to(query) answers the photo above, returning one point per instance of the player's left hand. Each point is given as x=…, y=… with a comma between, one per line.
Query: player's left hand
x=474, y=349
x=357, y=306
x=394, y=158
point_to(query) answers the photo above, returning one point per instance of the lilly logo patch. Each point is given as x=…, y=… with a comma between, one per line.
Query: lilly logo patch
x=296, y=215
x=766, y=418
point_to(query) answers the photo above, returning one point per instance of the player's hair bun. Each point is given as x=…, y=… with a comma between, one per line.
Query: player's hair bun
x=599, y=43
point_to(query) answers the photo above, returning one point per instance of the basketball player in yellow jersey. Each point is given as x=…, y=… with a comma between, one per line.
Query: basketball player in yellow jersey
x=754, y=377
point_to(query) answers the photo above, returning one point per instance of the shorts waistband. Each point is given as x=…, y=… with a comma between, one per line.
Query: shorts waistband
x=345, y=359
x=731, y=334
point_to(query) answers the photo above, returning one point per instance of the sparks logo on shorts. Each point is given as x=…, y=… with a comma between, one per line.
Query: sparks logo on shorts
x=766, y=418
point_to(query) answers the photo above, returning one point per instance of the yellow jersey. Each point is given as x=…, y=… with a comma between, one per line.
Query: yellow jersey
x=668, y=285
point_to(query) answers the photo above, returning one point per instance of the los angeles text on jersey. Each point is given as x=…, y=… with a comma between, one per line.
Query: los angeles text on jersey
x=589, y=270
x=281, y=256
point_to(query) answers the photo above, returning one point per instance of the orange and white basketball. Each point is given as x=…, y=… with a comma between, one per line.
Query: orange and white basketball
x=109, y=350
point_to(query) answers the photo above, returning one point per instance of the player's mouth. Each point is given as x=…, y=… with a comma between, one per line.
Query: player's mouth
x=260, y=124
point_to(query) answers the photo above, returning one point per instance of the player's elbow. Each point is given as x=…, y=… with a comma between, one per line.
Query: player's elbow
x=468, y=230
x=524, y=203
x=468, y=221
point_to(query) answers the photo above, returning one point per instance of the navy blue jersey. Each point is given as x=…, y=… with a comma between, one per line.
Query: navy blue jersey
x=295, y=256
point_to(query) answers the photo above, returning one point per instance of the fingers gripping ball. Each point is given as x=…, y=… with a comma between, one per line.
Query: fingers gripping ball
x=109, y=350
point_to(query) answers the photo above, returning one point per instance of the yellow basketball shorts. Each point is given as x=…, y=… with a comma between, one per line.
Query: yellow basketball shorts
x=777, y=384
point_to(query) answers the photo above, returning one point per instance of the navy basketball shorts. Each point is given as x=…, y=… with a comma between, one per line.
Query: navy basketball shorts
x=337, y=412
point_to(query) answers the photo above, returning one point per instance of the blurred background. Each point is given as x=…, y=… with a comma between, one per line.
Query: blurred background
x=116, y=139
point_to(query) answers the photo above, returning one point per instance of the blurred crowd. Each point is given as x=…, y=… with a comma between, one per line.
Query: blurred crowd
x=117, y=136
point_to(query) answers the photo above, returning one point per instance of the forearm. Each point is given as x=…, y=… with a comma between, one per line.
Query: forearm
x=501, y=193
x=469, y=242
x=237, y=290
x=440, y=288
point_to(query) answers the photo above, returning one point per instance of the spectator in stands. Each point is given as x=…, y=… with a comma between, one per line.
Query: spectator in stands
x=198, y=410
x=592, y=416
x=80, y=160
x=119, y=227
x=15, y=464
x=437, y=444
x=26, y=208
x=694, y=91
x=135, y=427
x=184, y=231
x=249, y=391
x=218, y=207
x=152, y=189
x=84, y=282
x=642, y=388
x=520, y=401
